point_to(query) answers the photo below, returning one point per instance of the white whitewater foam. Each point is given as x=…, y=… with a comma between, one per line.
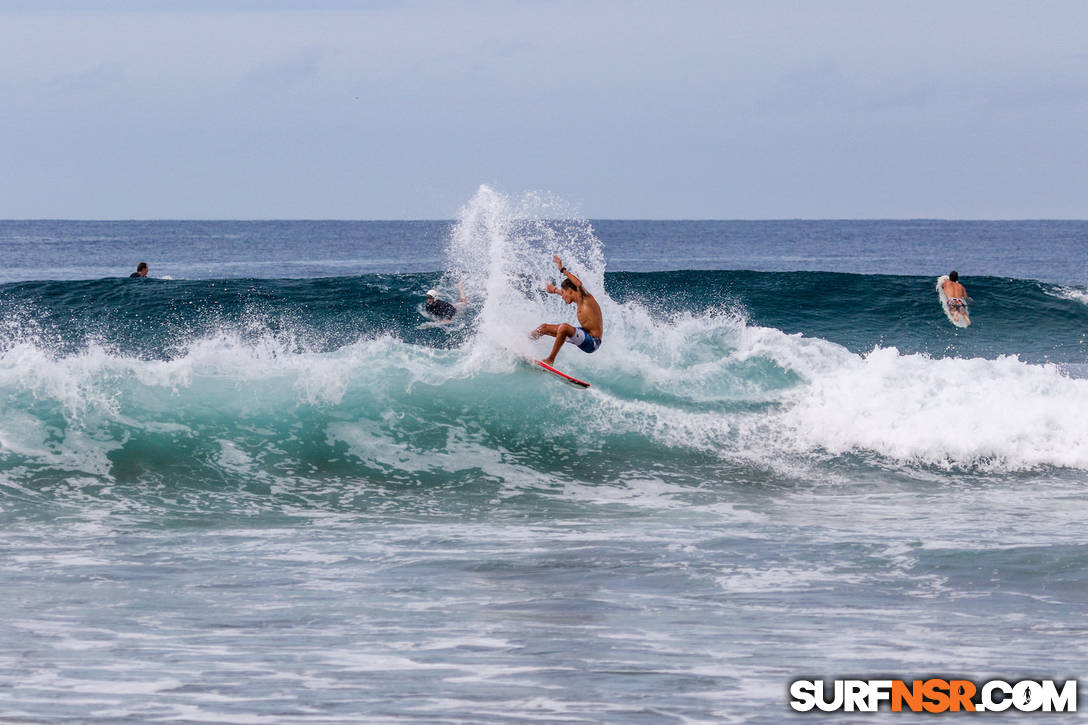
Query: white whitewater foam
x=708, y=382
x=1000, y=414
x=742, y=392
x=1077, y=294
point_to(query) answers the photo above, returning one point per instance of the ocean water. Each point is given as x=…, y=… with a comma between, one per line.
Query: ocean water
x=269, y=490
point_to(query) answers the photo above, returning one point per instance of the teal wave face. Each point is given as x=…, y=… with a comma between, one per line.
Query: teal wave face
x=1034, y=321
x=244, y=388
x=153, y=318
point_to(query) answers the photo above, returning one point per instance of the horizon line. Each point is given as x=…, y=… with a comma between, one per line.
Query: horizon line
x=590, y=219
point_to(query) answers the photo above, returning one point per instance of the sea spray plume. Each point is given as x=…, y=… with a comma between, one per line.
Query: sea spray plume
x=501, y=250
x=504, y=248
x=665, y=375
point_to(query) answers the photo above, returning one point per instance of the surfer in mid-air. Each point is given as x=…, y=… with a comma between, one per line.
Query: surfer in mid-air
x=587, y=337
x=957, y=297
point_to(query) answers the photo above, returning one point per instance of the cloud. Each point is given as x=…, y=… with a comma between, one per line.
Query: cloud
x=705, y=109
x=296, y=66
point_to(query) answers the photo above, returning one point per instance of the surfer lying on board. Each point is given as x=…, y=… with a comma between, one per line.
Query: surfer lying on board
x=956, y=294
x=588, y=336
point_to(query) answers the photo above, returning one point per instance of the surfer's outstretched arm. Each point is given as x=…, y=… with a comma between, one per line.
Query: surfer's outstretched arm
x=563, y=270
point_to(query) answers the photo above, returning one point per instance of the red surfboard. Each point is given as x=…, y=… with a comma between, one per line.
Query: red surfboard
x=558, y=373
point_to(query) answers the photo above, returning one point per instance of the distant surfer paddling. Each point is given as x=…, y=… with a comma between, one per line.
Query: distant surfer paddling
x=587, y=337
x=956, y=294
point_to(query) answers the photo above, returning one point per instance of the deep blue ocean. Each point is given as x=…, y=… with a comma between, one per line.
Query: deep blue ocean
x=263, y=486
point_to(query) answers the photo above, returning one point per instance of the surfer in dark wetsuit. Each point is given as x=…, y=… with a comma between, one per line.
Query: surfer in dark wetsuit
x=141, y=271
x=956, y=294
x=442, y=310
x=586, y=337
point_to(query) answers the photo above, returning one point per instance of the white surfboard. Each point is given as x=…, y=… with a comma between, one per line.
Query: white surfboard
x=957, y=321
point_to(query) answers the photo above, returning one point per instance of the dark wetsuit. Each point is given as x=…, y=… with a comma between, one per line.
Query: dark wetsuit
x=441, y=308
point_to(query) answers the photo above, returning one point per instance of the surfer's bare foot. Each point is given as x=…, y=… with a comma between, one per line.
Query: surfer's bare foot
x=543, y=330
x=548, y=361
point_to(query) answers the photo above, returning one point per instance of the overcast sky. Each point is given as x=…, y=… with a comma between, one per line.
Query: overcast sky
x=386, y=110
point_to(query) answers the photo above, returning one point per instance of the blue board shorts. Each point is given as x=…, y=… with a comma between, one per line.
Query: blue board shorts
x=584, y=341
